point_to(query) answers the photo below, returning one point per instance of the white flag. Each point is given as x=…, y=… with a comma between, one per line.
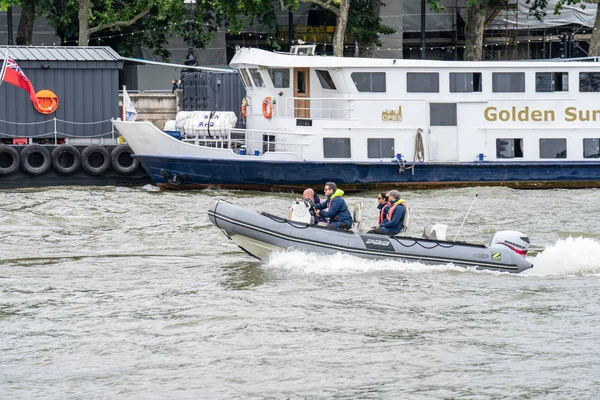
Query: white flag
x=129, y=113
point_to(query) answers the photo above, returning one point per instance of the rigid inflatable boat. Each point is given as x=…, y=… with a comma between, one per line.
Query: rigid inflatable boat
x=259, y=234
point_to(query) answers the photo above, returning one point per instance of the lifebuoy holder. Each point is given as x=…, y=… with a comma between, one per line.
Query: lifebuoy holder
x=47, y=102
x=244, y=106
x=267, y=107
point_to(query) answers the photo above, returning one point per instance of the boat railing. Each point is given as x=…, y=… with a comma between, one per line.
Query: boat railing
x=316, y=108
x=330, y=108
x=239, y=141
x=56, y=131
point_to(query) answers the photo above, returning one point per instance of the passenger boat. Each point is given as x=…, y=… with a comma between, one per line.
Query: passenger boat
x=379, y=123
x=260, y=234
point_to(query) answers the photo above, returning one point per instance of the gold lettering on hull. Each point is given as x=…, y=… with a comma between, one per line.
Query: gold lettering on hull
x=527, y=114
x=392, y=115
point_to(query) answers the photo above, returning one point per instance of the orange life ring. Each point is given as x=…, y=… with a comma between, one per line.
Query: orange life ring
x=267, y=107
x=244, y=105
x=47, y=102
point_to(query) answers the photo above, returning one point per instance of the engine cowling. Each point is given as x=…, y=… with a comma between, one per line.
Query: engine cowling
x=514, y=240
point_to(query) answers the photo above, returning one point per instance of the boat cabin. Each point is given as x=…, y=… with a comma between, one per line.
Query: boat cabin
x=324, y=108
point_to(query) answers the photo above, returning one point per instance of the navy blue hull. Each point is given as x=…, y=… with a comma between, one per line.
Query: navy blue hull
x=194, y=173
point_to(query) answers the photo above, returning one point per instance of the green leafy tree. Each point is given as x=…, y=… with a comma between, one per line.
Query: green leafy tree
x=538, y=8
x=28, y=15
x=340, y=8
x=475, y=25
x=365, y=25
x=128, y=24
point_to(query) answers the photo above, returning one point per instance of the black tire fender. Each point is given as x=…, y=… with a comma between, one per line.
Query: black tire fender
x=90, y=157
x=8, y=151
x=35, y=151
x=120, y=157
x=64, y=155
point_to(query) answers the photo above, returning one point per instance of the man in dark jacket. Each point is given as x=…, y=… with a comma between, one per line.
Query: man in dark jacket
x=309, y=196
x=334, y=208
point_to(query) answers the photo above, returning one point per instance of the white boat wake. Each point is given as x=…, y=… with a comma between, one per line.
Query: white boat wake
x=572, y=256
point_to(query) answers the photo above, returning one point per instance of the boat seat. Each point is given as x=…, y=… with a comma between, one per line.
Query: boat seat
x=406, y=220
x=357, y=217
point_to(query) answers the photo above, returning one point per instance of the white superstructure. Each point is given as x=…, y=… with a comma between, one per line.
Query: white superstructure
x=330, y=108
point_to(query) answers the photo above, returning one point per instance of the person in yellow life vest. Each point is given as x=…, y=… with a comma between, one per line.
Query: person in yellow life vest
x=392, y=222
x=334, y=208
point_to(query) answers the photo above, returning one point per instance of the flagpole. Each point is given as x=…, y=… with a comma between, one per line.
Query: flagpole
x=4, y=67
x=123, y=109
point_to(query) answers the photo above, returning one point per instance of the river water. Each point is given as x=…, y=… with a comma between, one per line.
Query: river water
x=131, y=293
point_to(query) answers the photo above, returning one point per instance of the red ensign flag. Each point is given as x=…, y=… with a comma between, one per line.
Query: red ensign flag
x=14, y=75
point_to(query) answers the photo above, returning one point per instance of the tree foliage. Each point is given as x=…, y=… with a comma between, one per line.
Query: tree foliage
x=128, y=24
x=340, y=8
x=538, y=8
x=365, y=25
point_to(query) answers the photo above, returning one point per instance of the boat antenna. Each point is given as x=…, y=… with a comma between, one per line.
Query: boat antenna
x=461, y=225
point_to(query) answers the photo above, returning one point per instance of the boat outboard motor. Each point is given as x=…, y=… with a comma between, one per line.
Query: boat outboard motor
x=514, y=240
x=300, y=212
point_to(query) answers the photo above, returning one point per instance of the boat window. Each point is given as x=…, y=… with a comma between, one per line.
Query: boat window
x=280, y=77
x=589, y=81
x=369, y=81
x=268, y=143
x=508, y=82
x=336, y=148
x=591, y=148
x=325, y=79
x=442, y=114
x=465, y=82
x=301, y=80
x=553, y=148
x=551, y=82
x=422, y=82
x=245, y=78
x=380, y=148
x=509, y=148
x=256, y=77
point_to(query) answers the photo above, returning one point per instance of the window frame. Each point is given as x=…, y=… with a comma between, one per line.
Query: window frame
x=597, y=145
x=499, y=74
x=558, y=156
x=513, y=151
x=246, y=78
x=370, y=74
x=553, y=79
x=474, y=81
x=590, y=80
x=256, y=71
x=409, y=82
x=381, y=155
x=272, y=72
x=325, y=79
x=344, y=139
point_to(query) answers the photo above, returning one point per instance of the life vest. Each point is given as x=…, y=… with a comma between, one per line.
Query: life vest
x=393, y=207
x=382, y=212
x=338, y=193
